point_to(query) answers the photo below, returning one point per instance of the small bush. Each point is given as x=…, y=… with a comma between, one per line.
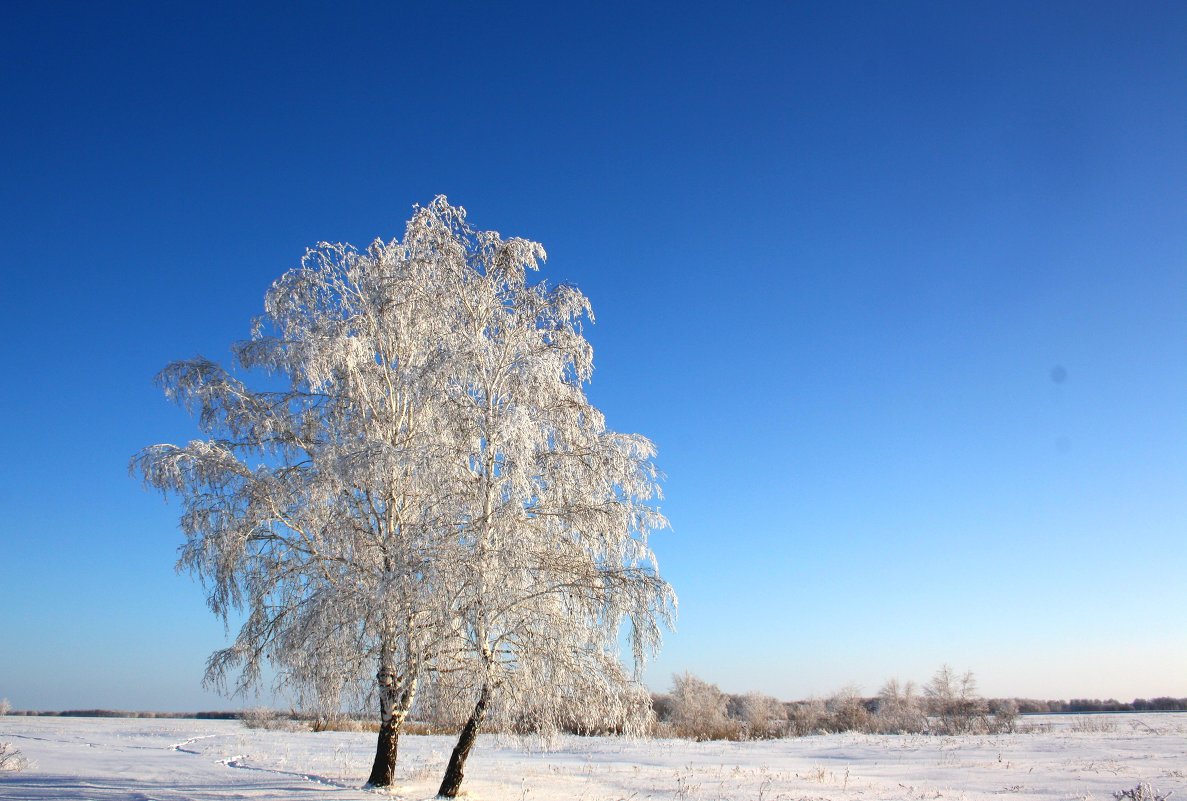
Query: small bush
x=1143, y=792
x=11, y=759
x=425, y=727
x=954, y=704
x=1083, y=725
x=1004, y=716
x=698, y=710
x=762, y=717
x=847, y=711
x=898, y=710
x=342, y=723
x=261, y=717
x=806, y=717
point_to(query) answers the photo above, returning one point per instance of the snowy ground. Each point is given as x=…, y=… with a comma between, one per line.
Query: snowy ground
x=1061, y=757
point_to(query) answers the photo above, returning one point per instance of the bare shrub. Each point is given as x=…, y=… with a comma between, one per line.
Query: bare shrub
x=806, y=717
x=340, y=722
x=5, y=707
x=762, y=716
x=1084, y=725
x=1143, y=792
x=262, y=717
x=11, y=759
x=899, y=709
x=661, y=705
x=847, y=710
x=1004, y=715
x=698, y=710
x=427, y=727
x=356, y=723
x=954, y=704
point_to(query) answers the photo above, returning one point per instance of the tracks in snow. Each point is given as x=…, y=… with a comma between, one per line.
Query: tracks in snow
x=238, y=763
x=181, y=746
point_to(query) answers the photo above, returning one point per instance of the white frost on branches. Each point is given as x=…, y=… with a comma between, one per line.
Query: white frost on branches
x=427, y=495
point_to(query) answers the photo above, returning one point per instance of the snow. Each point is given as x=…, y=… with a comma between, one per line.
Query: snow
x=105, y=759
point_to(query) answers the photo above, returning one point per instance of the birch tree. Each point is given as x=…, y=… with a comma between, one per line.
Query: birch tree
x=421, y=492
x=954, y=702
x=554, y=516
x=319, y=508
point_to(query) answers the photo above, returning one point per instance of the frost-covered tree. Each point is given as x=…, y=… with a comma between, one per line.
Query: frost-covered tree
x=553, y=517
x=420, y=491
x=320, y=506
x=899, y=709
x=954, y=702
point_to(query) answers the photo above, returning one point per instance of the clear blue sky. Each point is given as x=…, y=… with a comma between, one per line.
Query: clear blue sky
x=899, y=290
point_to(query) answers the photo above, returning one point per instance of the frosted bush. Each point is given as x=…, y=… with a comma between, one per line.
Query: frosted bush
x=11, y=759
x=699, y=710
x=762, y=716
x=261, y=717
x=1143, y=792
x=806, y=717
x=954, y=704
x=899, y=709
x=847, y=710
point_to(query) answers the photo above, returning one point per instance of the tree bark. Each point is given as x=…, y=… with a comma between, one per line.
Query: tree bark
x=452, y=782
x=391, y=717
x=383, y=770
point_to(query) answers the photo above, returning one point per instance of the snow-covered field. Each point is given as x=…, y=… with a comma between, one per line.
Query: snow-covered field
x=1060, y=757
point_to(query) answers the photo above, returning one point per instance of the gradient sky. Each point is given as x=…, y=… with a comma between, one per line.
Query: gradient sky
x=898, y=289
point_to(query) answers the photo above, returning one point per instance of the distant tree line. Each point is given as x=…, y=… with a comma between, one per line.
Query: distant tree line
x=947, y=704
x=1030, y=706
x=121, y=713
x=700, y=710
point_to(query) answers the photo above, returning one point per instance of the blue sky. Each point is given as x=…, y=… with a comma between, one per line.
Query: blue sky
x=897, y=289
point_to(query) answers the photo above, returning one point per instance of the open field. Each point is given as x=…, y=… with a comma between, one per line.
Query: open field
x=1057, y=757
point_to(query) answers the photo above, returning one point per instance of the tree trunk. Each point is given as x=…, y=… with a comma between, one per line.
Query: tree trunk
x=391, y=717
x=383, y=771
x=452, y=783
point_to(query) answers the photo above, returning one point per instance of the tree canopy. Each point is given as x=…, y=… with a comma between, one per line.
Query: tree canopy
x=423, y=496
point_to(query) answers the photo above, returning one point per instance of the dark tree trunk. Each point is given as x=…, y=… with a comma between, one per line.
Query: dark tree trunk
x=383, y=771
x=452, y=783
x=392, y=709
